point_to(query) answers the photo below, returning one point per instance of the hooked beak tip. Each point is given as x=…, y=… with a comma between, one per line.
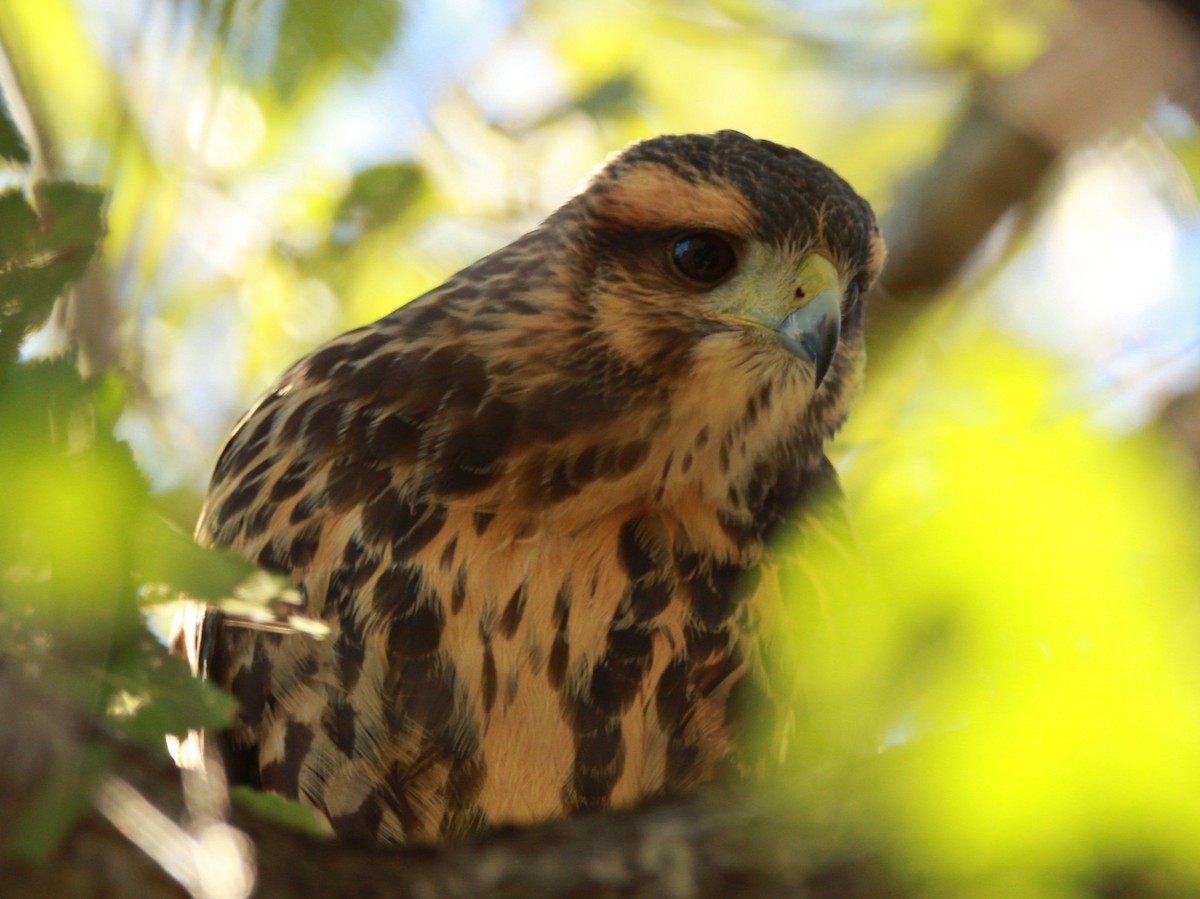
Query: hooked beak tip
x=812, y=332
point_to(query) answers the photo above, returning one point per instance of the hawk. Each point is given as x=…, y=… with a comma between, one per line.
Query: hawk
x=533, y=505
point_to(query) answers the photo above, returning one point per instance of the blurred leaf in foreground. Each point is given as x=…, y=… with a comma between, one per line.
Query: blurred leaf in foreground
x=72, y=493
x=378, y=196
x=279, y=809
x=76, y=532
x=65, y=796
x=45, y=247
x=152, y=692
x=163, y=554
x=313, y=36
x=1024, y=650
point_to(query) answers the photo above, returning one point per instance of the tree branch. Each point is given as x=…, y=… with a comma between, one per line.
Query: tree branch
x=1105, y=66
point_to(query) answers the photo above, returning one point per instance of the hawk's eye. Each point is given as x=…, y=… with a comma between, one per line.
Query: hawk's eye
x=706, y=258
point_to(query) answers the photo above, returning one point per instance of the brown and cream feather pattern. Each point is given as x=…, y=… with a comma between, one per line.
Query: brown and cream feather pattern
x=531, y=505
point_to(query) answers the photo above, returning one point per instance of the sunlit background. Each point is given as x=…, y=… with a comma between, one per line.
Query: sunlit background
x=231, y=136
x=1024, y=641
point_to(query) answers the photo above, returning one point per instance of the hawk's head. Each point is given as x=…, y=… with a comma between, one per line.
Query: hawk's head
x=686, y=330
x=733, y=253
x=694, y=315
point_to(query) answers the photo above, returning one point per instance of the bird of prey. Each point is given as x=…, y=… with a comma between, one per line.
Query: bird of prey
x=533, y=505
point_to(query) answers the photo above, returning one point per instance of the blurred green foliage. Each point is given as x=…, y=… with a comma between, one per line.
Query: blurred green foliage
x=315, y=39
x=377, y=197
x=78, y=535
x=1016, y=645
x=46, y=246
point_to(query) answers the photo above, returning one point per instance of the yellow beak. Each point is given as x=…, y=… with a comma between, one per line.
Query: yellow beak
x=805, y=318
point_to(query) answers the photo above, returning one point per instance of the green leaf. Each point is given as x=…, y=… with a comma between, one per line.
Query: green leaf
x=72, y=493
x=45, y=248
x=165, y=554
x=63, y=799
x=19, y=222
x=615, y=96
x=1021, y=638
x=70, y=222
x=35, y=398
x=612, y=98
x=153, y=693
x=377, y=197
x=12, y=144
x=315, y=35
x=274, y=807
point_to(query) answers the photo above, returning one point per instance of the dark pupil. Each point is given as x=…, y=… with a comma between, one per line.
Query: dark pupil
x=702, y=258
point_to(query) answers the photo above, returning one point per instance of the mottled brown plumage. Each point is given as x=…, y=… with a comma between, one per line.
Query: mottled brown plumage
x=531, y=505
